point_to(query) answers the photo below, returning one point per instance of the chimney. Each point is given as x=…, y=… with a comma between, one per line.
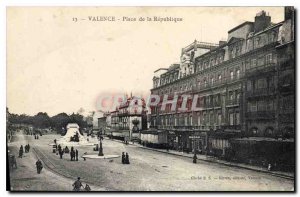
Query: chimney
x=288, y=13
x=262, y=21
x=221, y=42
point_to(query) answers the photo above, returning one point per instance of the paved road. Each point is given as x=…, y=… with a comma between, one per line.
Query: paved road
x=25, y=177
x=154, y=171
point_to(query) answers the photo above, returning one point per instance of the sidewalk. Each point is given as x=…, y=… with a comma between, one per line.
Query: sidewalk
x=288, y=175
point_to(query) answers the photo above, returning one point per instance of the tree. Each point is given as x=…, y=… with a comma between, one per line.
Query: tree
x=79, y=119
x=60, y=121
x=41, y=120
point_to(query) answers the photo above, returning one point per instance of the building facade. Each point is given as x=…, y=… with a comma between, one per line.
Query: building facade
x=244, y=88
x=128, y=119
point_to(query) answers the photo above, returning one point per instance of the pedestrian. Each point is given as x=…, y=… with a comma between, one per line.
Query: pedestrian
x=195, y=158
x=21, y=148
x=83, y=155
x=269, y=167
x=71, y=155
x=54, y=141
x=77, y=185
x=39, y=166
x=76, y=152
x=67, y=150
x=127, y=159
x=87, y=187
x=123, y=158
x=61, y=152
x=28, y=147
x=20, y=153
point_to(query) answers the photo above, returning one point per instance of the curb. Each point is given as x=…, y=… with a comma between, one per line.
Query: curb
x=222, y=163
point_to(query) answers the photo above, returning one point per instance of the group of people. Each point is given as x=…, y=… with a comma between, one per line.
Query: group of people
x=74, y=154
x=21, y=150
x=36, y=137
x=27, y=148
x=60, y=151
x=38, y=163
x=125, y=158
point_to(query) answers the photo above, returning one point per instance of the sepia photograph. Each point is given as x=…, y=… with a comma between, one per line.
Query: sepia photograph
x=144, y=99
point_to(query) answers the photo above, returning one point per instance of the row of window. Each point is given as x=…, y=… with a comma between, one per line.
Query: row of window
x=261, y=83
x=261, y=105
x=200, y=119
x=205, y=81
x=261, y=40
x=202, y=101
x=210, y=62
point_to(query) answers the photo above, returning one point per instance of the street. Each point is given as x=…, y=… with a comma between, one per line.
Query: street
x=148, y=171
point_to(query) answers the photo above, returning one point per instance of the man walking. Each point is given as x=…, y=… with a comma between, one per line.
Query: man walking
x=39, y=166
x=61, y=152
x=21, y=152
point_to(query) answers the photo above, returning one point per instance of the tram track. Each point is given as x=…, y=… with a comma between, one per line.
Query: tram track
x=52, y=167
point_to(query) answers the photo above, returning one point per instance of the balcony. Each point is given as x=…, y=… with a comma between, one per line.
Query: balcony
x=261, y=92
x=268, y=67
x=153, y=127
x=219, y=82
x=289, y=64
x=261, y=115
x=121, y=114
x=231, y=127
x=233, y=102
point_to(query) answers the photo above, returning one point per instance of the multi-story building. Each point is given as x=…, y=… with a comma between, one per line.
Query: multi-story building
x=242, y=86
x=128, y=119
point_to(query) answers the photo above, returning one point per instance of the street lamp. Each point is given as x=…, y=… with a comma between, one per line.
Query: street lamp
x=100, y=148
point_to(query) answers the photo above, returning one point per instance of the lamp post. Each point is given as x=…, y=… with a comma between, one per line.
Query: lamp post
x=100, y=148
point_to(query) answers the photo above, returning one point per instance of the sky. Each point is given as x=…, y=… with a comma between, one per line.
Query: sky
x=57, y=65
